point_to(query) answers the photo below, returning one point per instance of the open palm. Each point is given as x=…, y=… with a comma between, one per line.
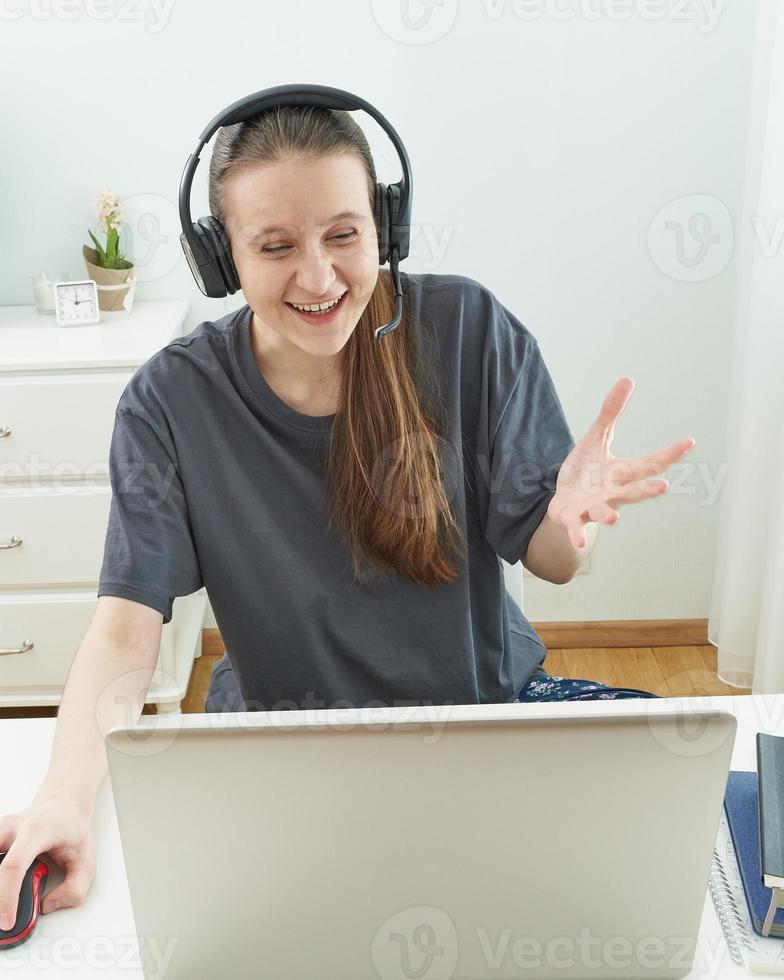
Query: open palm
x=592, y=482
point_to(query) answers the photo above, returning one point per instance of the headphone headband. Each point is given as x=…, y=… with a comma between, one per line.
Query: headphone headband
x=205, y=243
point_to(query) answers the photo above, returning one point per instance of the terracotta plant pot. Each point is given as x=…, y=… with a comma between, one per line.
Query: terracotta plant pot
x=115, y=286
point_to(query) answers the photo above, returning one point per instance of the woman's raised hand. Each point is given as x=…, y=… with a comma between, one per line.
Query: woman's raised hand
x=592, y=483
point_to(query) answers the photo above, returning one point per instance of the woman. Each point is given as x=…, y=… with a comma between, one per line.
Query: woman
x=315, y=441
x=344, y=500
x=294, y=440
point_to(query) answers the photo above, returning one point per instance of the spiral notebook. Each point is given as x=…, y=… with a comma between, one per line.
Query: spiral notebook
x=756, y=953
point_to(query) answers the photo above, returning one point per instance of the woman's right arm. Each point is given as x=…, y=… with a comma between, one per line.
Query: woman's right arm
x=106, y=686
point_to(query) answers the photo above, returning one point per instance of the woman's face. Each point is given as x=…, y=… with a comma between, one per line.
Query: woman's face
x=289, y=246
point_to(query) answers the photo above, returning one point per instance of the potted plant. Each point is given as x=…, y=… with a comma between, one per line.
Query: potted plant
x=113, y=272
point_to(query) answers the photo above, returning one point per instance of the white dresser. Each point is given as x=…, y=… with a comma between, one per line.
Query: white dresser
x=59, y=387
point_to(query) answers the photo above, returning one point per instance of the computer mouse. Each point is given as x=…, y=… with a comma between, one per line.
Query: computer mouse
x=29, y=904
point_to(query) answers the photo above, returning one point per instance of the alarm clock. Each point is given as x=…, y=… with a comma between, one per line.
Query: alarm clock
x=76, y=303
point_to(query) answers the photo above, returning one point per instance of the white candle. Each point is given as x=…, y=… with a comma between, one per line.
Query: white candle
x=43, y=292
x=43, y=289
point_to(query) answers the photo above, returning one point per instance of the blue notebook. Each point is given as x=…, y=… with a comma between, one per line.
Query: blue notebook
x=740, y=805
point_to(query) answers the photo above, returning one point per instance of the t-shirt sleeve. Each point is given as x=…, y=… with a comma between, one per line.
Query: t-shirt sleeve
x=149, y=553
x=528, y=437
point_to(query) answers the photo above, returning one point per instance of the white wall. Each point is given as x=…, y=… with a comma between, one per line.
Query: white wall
x=542, y=151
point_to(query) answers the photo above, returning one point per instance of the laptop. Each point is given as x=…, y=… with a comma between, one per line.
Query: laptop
x=469, y=842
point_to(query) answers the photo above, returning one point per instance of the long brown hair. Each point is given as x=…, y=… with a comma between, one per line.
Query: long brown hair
x=384, y=472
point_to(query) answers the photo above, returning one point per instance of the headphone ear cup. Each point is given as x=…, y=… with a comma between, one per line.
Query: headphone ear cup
x=381, y=217
x=199, y=252
x=221, y=249
x=400, y=233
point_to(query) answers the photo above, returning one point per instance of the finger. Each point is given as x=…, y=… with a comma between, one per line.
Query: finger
x=603, y=513
x=72, y=891
x=613, y=405
x=598, y=512
x=15, y=864
x=7, y=832
x=659, y=461
x=639, y=490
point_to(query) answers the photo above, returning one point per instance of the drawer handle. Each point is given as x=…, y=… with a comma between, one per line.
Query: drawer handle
x=4, y=431
x=13, y=543
x=26, y=645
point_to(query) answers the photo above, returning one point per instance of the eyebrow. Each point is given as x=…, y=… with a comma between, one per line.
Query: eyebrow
x=272, y=229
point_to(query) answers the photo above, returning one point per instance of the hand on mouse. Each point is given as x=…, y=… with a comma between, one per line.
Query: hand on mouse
x=58, y=827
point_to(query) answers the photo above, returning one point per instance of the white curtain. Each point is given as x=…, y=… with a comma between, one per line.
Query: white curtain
x=746, y=621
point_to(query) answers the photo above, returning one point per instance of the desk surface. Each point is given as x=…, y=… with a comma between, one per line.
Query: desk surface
x=98, y=939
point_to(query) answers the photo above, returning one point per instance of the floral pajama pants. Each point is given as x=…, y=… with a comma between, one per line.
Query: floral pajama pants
x=546, y=687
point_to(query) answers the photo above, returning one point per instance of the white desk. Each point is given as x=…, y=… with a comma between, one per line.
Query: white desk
x=98, y=939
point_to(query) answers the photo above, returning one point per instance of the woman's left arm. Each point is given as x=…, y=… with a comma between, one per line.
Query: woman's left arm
x=591, y=484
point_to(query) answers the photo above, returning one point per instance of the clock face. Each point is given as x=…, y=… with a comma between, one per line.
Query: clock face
x=76, y=302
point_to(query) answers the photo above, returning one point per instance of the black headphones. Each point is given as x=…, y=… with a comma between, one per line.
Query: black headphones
x=205, y=242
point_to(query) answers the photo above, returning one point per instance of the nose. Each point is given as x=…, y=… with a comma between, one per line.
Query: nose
x=315, y=272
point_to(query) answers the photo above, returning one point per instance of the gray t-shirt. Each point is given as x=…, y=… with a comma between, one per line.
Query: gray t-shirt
x=218, y=482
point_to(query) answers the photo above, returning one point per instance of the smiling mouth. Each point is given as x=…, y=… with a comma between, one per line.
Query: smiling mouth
x=327, y=314
x=336, y=301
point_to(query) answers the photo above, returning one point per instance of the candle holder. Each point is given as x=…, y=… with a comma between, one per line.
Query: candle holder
x=43, y=289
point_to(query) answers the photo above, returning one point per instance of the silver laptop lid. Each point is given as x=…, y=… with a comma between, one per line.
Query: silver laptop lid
x=443, y=843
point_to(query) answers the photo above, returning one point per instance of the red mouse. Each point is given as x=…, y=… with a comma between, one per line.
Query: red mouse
x=29, y=904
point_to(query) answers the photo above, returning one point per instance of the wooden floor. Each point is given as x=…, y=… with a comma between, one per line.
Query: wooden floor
x=670, y=671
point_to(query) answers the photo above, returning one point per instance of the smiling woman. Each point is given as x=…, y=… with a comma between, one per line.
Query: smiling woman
x=420, y=455
x=294, y=188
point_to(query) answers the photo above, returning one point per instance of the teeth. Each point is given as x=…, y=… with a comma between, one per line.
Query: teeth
x=317, y=307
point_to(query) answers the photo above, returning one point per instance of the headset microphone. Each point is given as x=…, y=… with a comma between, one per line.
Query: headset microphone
x=205, y=242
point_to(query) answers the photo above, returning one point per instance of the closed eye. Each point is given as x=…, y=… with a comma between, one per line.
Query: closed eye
x=347, y=235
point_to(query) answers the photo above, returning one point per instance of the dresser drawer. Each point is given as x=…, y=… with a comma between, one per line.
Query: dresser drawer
x=60, y=424
x=63, y=531
x=56, y=626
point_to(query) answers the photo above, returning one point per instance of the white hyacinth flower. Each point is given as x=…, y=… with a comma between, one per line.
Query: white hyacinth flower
x=108, y=208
